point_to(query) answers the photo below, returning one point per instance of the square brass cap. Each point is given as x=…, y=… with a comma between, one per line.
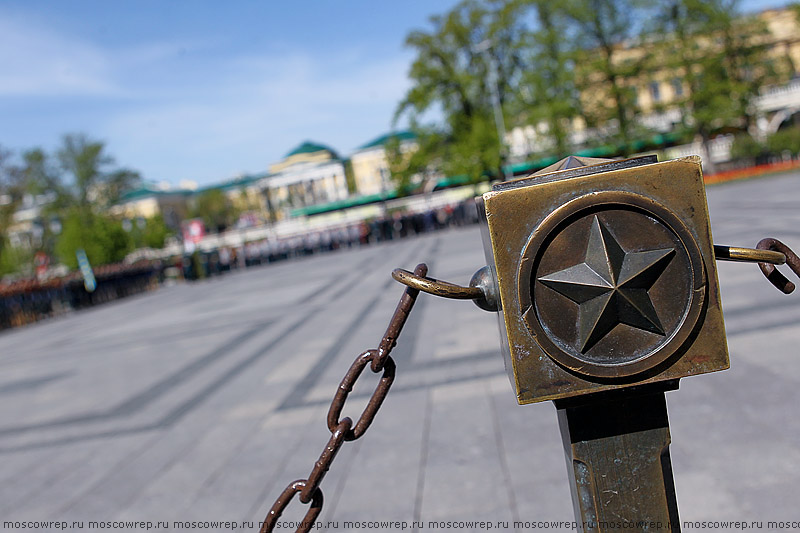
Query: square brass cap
x=606, y=276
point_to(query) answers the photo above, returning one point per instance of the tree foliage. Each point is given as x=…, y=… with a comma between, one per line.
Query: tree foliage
x=92, y=180
x=10, y=197
x=785, y=140
x=548, y=92
x=720, y=57
x=75, y=186
x=471, y=51
x=102, y=237
x=215, y=208
x=155, y=232
x=14, y=259
x=606, y=71
x=599, y=65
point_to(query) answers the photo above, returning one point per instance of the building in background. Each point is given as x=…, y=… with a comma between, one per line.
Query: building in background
x=246, y=198
x=150, y=200
x=370, y=164
x=311, y=174
x=28, y=221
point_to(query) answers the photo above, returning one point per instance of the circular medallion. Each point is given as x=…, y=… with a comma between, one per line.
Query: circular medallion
x=611, y=284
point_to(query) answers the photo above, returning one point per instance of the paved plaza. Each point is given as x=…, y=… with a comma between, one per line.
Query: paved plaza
x=200, y=402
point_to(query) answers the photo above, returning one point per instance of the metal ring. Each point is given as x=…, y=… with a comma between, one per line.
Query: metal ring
x=389, y=339
x=323, y=464
x=309, y=520
x=375, y=401
x=435, y=286
x=792, y=260
x=751, y=255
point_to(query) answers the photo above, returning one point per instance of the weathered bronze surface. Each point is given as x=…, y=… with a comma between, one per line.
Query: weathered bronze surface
x=617, y=450
x=628, y=283
x=606, y=276
x=610, y=287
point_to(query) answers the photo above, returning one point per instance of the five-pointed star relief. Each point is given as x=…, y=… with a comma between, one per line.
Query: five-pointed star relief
x=610, y=286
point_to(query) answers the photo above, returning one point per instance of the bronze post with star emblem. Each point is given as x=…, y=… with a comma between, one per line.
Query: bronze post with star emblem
x=605, y=282
x=617, y=443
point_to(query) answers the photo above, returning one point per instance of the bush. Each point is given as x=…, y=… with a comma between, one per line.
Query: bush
x=103, y=239
x=14, y=260
x=745, y=147
x=149, y=233
x=155, y=232
x=785, y=140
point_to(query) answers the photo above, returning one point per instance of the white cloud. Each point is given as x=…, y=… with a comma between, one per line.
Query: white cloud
x=36, y=61
x=196, y=110
x=257, y=110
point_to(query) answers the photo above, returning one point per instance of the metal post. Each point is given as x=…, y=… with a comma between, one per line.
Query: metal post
x=617, y=450
x=607, y=285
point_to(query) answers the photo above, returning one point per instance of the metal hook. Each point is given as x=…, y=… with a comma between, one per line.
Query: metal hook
x=435, y=286
x=749, y=255
x=480, y=290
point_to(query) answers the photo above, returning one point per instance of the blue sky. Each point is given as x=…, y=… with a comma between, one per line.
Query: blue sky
x=205, y=91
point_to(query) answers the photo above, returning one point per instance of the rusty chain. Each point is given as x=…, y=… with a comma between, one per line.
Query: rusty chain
x=343, y=429
x=768, y=253
x=769, y=270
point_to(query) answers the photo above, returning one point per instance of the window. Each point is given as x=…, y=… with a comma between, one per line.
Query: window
x=655, y=91
x=677, y=86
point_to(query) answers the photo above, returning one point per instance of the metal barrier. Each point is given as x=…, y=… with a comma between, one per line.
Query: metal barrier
x=29, y=301
x=603, y=276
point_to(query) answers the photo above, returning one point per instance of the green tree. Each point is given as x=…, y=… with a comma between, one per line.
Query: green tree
x=11, y=193
x=785, y=140
x=720, y=58
x=93, y=186
x=746, y=147
x=408, y=167
x=151, y=232
x=93, y=182
x=102, y=237
x=470, y=47
x=606, y=73
x=41, y=177
x=548, y=90
x=15, y=259
x=215, y=208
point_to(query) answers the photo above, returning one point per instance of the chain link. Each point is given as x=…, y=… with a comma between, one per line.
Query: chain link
x=283, y=501
x=343, y=430
x=769, y=270
x=375, y=401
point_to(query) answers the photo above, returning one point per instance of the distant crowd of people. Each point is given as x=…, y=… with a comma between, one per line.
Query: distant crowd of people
x=398, y=225
x=28, y=300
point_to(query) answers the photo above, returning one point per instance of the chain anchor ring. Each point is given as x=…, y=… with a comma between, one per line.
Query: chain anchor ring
x=768, y=268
